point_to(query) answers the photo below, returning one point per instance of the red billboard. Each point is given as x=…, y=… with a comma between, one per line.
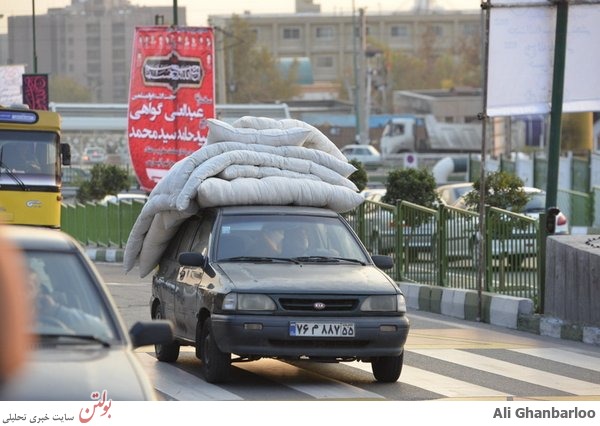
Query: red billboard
x=171, y=94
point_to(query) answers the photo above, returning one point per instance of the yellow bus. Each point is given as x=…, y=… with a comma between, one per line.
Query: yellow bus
x=31, y=156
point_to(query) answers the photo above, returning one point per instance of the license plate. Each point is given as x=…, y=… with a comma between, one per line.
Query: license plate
x=321, y=329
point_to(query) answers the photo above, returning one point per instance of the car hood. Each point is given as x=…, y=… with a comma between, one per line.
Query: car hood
x=308, y=277
x=73, y=373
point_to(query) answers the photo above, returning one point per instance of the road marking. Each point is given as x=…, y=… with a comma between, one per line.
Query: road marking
x=513, y=371
x=566, y=357
x=437, y=383
x=181, y=385
x=301, y=380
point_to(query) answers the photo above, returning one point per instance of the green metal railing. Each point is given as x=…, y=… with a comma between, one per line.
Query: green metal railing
x=442, y=247
x=102, y=225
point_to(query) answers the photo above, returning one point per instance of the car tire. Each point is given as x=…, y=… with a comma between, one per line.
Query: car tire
x=387, y=369
x=169, y=352
x=215, y=364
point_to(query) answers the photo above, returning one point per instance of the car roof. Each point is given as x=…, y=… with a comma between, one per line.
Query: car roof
x=274, y=209
x=39, y=238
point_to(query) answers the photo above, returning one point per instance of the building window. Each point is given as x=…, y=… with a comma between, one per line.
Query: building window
x=291, y=33
x=399, y=31
x=327, y=32
x=324, y=61
x=438, y=30
x=470, y=29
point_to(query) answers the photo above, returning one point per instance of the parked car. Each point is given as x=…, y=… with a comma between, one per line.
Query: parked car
x=324, y=300
x=81, y=340
x=124, y=196
x=533, y=208
x=94, y=155
x=366, y=154
x=450, y=193
x=380, y=223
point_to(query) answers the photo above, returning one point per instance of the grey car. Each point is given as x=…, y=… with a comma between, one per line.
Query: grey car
x=315, y=294
x=82, y=347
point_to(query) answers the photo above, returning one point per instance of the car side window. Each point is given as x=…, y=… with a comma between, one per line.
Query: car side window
x=202, y=237
x=183, y=239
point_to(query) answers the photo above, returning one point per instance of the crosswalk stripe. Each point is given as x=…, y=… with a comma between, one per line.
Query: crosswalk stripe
x=567, y=357
x=180, y=385
x=307, y=382
x=514, y=371
x=437, y=383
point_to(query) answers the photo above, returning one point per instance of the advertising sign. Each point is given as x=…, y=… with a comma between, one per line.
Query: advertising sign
x=35, y=91
x=171, y=95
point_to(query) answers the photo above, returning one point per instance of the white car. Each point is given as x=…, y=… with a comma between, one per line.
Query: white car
x=450, y=193
x=124, y=196
x=533, y=208
x=366, y=154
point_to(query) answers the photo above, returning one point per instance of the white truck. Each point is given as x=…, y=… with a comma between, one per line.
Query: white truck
x=423, y=133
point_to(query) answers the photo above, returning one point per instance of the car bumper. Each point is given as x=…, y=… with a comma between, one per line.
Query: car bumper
x=240, y=335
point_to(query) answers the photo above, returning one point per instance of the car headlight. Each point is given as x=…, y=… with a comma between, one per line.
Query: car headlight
x=384, y=303
x=248, y=302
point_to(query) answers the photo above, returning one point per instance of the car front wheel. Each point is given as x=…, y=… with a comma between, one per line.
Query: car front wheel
x=215, y=364
x=387, y=369
x=169, y=352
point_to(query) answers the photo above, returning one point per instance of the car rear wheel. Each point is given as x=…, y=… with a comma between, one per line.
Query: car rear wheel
x=215, y=364
x=387, y=369
x=169, y=352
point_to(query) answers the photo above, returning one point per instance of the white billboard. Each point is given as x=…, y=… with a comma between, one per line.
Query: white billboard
x=521, y=56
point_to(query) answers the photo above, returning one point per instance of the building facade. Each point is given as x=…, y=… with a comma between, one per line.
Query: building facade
x=89, y=41
x=331, y=42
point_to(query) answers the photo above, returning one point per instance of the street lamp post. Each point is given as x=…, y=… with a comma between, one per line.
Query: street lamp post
x=33, y=26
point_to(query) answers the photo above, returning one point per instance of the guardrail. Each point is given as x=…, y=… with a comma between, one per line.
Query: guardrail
x=102, y=225
x=445, y=247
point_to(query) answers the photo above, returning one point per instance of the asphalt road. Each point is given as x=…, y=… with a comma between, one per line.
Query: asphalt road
x=445, y=359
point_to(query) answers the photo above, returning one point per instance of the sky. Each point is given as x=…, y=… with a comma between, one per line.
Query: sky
x=198, y=11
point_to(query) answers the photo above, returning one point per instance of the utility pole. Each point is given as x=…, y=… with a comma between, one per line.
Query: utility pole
x=362, y=79
x=356, y=91
x=35, y=67
x=175, y=21
x=560, y=47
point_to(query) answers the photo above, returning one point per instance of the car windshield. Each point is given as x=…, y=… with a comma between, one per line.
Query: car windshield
x=313, y=238
x=67, y=302
x=536, y=203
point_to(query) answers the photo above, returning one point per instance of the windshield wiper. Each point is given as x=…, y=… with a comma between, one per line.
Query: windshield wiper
x=86, y=337
x=12, y=175
x=258, y=259
x=328, y=259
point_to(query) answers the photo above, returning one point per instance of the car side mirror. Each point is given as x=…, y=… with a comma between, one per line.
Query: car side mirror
x=155, y=332
x=65, y=153
x=190, y=258
x=383, y=262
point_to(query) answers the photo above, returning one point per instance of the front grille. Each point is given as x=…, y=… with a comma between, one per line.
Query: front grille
x=308, y=304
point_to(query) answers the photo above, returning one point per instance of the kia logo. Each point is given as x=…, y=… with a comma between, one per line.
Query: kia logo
x=319, y=306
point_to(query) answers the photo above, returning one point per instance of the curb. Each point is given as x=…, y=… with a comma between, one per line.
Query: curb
x=501, y=310
x=104, y=254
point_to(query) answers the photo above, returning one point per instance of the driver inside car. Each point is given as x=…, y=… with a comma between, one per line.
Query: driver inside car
x=69, y=320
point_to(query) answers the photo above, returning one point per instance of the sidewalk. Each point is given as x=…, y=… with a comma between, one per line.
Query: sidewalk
x=504, y=311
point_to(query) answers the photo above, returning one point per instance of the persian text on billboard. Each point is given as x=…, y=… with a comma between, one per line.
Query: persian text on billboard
x=171, y=96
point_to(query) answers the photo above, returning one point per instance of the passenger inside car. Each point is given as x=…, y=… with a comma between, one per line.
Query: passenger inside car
x=295, y=242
